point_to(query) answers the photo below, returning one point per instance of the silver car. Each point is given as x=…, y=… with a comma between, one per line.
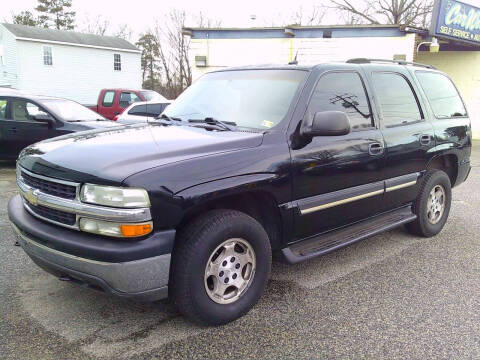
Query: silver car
x=142, y=111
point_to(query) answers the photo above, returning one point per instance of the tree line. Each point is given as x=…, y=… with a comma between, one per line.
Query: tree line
x=165, y=63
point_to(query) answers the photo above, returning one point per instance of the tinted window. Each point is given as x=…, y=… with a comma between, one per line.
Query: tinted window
x=441, y=94
x=108, y=98
x=3, y=109
x=25, y=111
x=396, y=99
x=342, y=92
x=127, y=98
x=146, y=110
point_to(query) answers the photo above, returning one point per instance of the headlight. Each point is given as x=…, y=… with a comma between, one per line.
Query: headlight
x=114, y=196
x=115, y=229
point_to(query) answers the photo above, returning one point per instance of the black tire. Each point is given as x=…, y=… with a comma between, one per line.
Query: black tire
x=422, y=226
x=193, y=248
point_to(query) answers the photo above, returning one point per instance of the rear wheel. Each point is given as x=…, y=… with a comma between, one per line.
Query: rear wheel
x=220, y=266
x=432, y=205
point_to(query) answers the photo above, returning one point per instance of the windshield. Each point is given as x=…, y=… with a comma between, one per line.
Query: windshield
x=152, y=95
x=249, y=98
x=69, y=110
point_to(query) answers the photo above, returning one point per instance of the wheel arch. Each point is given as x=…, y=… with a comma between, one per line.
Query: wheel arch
x=448, y=163
x=249, y=194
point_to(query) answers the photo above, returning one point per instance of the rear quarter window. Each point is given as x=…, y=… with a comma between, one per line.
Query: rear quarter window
x=442, y=95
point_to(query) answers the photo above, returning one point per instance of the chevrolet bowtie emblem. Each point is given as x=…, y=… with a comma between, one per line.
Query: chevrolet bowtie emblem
x=31, y=197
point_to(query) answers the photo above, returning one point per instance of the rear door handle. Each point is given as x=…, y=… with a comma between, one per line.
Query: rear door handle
x=425, y=139
x=375, y=149
x=14, y=129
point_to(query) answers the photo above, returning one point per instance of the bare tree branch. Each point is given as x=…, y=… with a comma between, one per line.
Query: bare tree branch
x=407, y=12
x=345, y=5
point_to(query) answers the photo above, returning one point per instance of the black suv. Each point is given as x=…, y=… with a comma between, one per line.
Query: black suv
x=291, y=160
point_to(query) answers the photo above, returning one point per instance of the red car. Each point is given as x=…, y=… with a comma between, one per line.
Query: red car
x=112, y=102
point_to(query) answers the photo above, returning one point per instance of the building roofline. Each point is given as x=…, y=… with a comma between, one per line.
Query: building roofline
x=76, y=44
x=292, y=31
x=67, y=37
x=295, y=27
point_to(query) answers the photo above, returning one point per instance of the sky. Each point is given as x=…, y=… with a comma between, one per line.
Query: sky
x=146, y=12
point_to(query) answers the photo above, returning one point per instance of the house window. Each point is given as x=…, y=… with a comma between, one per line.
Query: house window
x=117, y=62
x=47, y=56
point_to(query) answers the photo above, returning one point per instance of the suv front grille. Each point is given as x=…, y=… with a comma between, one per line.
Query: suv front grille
x=53, y=214
x=50, y=187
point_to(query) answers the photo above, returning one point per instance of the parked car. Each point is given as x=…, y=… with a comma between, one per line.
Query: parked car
x=142, y=112
x=112, y=102
x=294, y=160
x=26, y=119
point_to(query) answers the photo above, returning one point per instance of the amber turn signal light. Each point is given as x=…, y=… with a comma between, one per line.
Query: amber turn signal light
x=130, y=230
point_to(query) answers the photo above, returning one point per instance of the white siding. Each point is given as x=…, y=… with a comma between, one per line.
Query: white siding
x=236, y=52
x=77, y=73
x=8, y=72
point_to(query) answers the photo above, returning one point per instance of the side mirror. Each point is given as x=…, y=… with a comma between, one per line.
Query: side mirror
x=329, y=123
x=44, y=118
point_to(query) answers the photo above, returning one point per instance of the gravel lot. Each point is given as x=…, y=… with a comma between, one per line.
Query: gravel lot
x=390, y=296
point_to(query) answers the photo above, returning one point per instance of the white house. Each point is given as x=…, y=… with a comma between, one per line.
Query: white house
x=66, y=63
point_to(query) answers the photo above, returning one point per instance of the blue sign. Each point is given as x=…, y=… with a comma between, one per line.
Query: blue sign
x=455, y=20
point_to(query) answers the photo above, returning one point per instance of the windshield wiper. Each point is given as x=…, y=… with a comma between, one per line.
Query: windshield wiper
x=230, y=125
x=169, y=118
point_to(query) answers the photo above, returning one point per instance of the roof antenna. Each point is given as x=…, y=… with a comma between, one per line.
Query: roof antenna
x=294, y=62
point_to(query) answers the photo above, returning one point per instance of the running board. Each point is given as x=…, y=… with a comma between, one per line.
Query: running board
x=325, y=243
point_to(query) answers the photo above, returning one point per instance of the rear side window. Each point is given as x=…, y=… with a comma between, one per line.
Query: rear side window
x=108, y=98
x=398, y=103
x=342, y=91
x=442, y=95
x=146, y=110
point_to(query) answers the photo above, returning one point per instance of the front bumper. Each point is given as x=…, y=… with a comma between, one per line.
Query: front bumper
x=127, y=268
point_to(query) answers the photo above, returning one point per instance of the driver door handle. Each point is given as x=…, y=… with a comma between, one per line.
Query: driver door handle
x=14, y=129
x=375, y=149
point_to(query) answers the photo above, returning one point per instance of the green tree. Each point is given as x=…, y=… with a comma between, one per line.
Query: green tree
x=25, y=18
x=56, y=14
x=150, y=53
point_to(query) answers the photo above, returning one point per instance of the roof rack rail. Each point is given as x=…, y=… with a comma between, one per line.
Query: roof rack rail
x=399, y=62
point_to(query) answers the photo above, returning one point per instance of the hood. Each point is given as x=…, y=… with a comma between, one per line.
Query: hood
x=110, y=156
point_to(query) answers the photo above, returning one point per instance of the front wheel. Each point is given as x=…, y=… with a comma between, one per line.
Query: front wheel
x=432, y=205
x=220, y=266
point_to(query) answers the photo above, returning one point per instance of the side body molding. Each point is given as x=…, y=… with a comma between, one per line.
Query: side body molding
x=325, y=201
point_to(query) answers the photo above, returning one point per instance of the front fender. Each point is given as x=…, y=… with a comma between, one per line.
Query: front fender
x=233, y=186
